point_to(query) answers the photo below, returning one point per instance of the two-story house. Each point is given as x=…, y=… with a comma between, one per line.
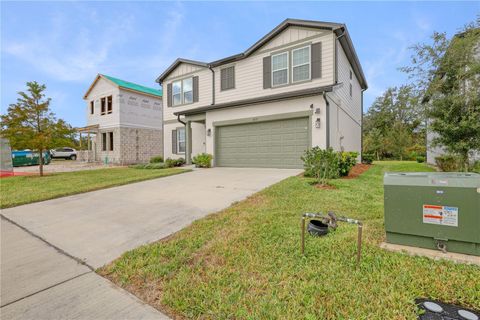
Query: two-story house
x=124, y=121
x=299, y=86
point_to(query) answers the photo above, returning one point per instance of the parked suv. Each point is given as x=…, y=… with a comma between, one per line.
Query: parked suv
x=66, y=153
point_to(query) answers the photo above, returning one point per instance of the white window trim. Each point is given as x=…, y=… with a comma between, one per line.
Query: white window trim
x=178, y=140
x=182, y=93
x=303, y=64
x=287, y=68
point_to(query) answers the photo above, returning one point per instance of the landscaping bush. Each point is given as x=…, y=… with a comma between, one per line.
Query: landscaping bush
x=448, y=163
x=156, y=165
x=203, y=160
x=170, y=163
x=367, y=158
x=156, y=159
x=321, y=164
x=346, y=162
x=420, y=159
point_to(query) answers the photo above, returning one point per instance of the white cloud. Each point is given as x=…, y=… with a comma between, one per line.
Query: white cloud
x=70, y=51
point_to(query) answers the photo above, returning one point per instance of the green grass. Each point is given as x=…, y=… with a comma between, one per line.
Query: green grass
x=20, y=190
x=245, y=262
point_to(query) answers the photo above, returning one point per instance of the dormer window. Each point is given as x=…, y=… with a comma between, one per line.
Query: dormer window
x=301, y=64
x=280, y=69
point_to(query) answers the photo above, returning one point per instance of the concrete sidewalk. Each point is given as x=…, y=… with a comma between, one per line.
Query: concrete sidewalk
x=39, y=281
x=50, y=248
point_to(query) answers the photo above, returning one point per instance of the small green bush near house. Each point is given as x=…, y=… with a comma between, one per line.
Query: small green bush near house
x=322, y=164
x=155, y=165
x=346, y=161
x=203, y=160
x=367, y=158
x=476, y=166
x=448, y=163
x=170, y=163
x=420, y=159
x=156, y=159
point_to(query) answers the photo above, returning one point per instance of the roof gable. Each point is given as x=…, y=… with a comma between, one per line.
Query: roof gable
x=125, y=85
x=339, y=29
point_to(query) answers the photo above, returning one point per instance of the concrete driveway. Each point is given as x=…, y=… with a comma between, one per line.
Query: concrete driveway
x=50, y=248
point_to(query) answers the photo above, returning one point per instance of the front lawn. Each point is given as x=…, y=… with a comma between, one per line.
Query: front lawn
x=25, y=189
x=245, y=262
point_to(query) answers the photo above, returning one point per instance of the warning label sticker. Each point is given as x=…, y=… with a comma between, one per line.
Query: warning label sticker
x=443, y=215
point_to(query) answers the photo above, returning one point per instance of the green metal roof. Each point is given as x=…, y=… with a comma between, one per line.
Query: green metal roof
x=134, y=86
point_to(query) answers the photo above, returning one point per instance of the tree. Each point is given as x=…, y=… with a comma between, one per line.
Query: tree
x=29, y=123
x=395, y=115
x=447, y=74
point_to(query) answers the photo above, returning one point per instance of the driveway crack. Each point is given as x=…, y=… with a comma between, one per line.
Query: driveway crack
x=59, y=250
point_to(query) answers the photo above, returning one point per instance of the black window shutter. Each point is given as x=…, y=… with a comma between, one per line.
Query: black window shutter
x=195, y=89
x=174, y=141
x=169, y=95
x=267, y=72
x=223, y=79
x=316, y=60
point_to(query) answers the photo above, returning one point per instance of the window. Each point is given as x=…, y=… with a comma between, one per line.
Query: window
x=109, y=104
x=102, y=104
x=187, y=86
x=177, y=93
x=227, y=78
x=104, y=141
x=351, y=90
x=182, y=91
x=351, y=75
x=92, y=107
x=280, y=69
x=301, y=64
x=181, y=140
x=110, y=136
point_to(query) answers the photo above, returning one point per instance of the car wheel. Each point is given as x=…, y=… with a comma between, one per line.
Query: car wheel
x=73, y=157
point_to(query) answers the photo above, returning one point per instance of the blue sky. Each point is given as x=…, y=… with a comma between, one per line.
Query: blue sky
x=65, y=44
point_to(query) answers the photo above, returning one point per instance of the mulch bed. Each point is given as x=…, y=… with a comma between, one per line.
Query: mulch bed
x=357, y=170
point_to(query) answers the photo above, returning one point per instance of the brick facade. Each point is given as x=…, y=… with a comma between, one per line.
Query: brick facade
x=130, y=145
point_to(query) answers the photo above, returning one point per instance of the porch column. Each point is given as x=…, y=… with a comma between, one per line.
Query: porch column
x=188, y=138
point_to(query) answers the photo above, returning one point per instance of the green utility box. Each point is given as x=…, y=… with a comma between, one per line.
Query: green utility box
x=434, y=210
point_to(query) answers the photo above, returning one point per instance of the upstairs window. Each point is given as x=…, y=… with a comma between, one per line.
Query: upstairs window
x=109, y=104
x=102, y=105
x=182, y=92
x=301, y=64
x=280, y=69
x=227, y=78
x=92, y=107
x=187, y=89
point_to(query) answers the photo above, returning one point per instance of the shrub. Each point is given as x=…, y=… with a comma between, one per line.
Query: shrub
x=203, y=160
x=321, y=164
x=346, y=162
x=157, y=165
x=420, y=159
x=476, y=166
x=448, y=163
x=170, y=163
x=156, y=159
x=367, y=158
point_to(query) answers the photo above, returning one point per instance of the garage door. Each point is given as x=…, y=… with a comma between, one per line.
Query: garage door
x=272, y=144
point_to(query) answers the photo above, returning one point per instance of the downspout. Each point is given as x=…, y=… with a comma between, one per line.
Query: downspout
x=327, y=115
x=336, y=54
x=213, y=84
x=178, y=119
x=361, y=129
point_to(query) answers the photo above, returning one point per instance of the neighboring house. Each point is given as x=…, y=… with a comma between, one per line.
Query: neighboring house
x=124, y=122
x=436, y=151
x=299, y=86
